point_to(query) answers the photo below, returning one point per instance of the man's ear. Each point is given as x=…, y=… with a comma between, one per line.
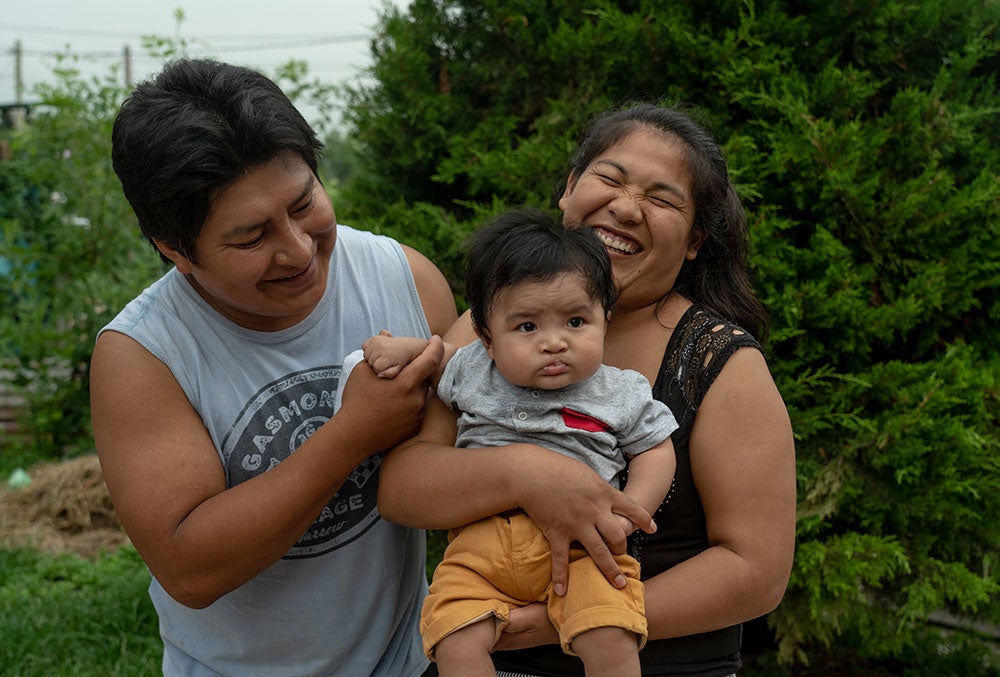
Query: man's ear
x=182, y=263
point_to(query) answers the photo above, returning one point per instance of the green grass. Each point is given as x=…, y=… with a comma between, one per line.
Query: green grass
x=64, y=615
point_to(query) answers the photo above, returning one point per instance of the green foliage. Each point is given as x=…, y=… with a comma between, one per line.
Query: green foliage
x=74, y=254
x=62, y=615
x=71, y=250
x=865, y=140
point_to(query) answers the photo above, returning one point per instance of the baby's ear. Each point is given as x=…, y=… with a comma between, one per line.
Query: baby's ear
x=485, y=338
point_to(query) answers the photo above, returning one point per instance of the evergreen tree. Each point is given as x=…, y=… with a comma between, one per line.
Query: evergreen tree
x=864, y=139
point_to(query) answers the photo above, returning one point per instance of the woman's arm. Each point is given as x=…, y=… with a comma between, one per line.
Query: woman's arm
x=743, y=462
x=428, y=483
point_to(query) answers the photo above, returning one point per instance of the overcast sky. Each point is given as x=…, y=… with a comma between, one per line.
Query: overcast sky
x=331, y=35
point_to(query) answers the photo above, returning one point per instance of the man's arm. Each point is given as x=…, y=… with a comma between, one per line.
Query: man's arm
x=435, y=295
x=162, y=470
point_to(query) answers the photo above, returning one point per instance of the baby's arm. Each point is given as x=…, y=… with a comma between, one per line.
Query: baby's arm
x=388, y=354
x=650, y=475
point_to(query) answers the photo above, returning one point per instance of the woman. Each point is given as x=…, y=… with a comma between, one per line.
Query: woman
x=654, y=186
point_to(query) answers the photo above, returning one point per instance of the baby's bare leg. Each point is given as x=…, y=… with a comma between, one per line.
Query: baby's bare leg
x=608, y=651
x=467, y=651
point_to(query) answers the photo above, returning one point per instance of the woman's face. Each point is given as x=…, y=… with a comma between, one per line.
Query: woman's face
x=264, y=250
x=637, y=196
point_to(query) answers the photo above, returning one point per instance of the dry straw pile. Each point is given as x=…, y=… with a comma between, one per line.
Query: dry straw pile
x=66, y=508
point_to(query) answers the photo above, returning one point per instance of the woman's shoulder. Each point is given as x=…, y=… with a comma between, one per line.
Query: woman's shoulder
x=701, y=344
x=701, y=331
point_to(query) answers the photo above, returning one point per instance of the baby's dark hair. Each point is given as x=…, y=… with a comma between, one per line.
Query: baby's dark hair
x=530, y=245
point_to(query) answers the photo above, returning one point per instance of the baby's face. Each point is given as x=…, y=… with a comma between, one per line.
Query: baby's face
x=547, y=335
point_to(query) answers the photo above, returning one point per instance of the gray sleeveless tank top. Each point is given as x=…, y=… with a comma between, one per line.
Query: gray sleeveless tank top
x=346, y=598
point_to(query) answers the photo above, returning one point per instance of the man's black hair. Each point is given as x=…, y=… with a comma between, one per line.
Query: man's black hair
x=194, y=129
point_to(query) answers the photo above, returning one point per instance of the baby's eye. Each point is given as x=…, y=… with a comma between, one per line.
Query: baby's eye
x=526, y=327
x=576, y=322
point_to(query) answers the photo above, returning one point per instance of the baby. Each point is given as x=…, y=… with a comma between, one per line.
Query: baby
x=540, y=298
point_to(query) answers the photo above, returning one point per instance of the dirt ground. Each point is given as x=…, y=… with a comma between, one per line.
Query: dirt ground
x=66, y=508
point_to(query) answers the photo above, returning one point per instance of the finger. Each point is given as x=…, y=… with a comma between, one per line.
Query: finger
x=385, y=332
x=614, y=536
x=560, y=566
x=636, y=514
x=424, y=364
x=605, y=561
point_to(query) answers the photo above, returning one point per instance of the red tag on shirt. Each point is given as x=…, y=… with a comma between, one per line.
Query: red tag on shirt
x=578, y=421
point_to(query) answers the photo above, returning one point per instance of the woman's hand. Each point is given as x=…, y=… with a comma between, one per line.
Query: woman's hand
x=570, y=502
x=529, y=626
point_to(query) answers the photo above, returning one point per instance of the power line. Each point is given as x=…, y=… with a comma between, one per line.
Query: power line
x=289, y=39
x=82, y=32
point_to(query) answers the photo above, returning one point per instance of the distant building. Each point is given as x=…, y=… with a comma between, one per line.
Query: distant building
x=14, y=115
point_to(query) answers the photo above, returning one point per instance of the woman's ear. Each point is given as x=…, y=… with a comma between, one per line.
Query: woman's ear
x=697, y=239
x=568, y=190
x=183, y=264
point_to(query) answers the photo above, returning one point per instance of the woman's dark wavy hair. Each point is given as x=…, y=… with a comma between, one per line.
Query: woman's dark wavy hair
x=719, y=277
x=526, y=244
x=192, y=130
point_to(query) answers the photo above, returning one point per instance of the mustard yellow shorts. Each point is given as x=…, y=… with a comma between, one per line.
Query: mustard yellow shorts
x=498, y=563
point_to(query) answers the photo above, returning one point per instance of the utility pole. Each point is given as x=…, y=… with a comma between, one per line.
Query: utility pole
x=18, y=74
x=127, y=56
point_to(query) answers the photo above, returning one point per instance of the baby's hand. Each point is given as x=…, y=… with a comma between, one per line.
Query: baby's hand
x=626, y=524
x=380, y=355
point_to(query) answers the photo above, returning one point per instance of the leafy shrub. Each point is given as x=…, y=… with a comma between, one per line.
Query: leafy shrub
x=74, y=253
x=865, y=139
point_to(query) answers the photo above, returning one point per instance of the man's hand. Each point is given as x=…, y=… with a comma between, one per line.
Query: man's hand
x=389, y=411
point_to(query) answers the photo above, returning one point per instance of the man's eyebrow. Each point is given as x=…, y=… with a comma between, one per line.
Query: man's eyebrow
x=659, y=185
x=239, y=231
